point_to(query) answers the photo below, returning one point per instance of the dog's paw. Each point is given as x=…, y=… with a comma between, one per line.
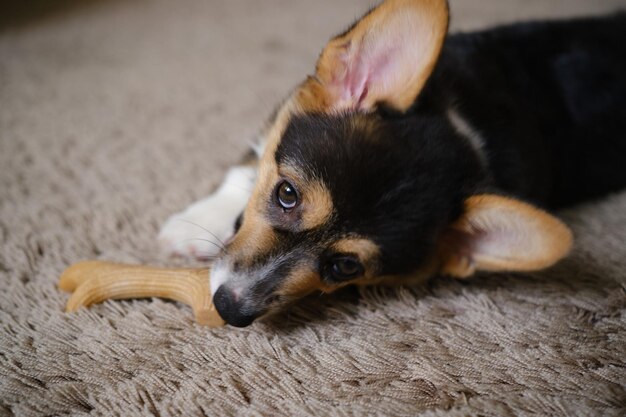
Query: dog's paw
x=202, y=230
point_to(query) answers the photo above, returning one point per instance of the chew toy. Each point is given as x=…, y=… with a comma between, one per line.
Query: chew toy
x=96, y=281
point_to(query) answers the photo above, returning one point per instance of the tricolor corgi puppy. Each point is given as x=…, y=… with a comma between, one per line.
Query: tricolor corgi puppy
x=409, y=154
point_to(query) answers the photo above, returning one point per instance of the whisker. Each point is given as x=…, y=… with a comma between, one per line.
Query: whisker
x=205, y=256
x=223, y=245
x=205, y=240
x=230, y=184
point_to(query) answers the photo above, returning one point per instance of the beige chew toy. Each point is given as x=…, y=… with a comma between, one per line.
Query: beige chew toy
x=96, y=281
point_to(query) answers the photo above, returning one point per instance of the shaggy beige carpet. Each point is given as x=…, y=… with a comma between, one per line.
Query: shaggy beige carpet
x=114, y=114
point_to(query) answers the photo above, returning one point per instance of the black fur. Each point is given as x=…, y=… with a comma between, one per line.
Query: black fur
x=385, y=184
x=548, y=99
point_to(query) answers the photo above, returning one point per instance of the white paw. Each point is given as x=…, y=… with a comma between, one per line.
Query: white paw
x=202, y=230
x=195, y=233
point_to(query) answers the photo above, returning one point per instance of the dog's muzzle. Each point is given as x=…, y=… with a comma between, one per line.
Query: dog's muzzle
x=232, y=308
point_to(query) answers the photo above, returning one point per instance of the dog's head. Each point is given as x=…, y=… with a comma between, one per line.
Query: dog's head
x=350, y=191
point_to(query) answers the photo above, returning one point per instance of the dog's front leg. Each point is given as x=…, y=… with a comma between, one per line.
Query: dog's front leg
x=201, y=230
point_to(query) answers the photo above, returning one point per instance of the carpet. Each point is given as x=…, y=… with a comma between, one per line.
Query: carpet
x=115, y=114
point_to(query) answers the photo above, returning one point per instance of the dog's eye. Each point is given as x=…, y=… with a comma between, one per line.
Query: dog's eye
x=287, y=195
x=345, y=267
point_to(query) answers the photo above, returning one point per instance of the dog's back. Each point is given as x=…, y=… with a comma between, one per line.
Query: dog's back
x=548, y=101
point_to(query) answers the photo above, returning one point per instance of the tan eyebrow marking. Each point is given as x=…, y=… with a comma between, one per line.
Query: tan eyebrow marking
x=317, y=203
x=304, y=280
x=256, y=235
x=366, y=249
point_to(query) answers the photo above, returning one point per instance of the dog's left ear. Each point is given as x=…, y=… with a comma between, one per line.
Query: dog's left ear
x=386, y=57
x=502, y=234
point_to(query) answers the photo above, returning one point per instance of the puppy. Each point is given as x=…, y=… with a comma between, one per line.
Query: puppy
x=409, y=154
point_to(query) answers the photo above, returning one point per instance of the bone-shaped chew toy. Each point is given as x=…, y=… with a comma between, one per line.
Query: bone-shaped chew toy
x=95, y=281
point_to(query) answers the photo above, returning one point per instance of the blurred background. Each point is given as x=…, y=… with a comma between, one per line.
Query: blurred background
x=218, y=66
x=115, y=114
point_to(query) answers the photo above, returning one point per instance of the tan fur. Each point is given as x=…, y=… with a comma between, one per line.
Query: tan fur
x=366, y=250
x=533, y=239
x=427, y=21
x=503, y=234
x=304, y=280
x=256, y=235
x=423, y=23
x=316, y=206
x=311, y=96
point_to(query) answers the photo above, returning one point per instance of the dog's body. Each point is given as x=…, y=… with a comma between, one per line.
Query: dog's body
x=548, y=101
x=377, y=171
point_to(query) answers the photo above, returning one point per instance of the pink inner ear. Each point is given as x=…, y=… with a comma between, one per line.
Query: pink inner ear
x=503, y=234
x=353, y=86
x=362, y=96
x=478, y=244
x=511, y=235
x=497, y=243
x=364, y=72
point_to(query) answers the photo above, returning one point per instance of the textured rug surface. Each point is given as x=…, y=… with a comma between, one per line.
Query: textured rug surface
x=115, y=114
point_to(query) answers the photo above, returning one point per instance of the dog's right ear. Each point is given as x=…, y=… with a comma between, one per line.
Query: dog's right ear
x=502, y=234
x=386, y=57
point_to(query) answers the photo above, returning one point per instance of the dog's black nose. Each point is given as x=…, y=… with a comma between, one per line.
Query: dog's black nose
x=230, y=308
